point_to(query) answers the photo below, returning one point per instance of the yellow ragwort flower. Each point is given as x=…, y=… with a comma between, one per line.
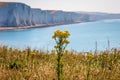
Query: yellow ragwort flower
x=90, y=56
x=33, y=53
x=60, y=34
x=65, y=42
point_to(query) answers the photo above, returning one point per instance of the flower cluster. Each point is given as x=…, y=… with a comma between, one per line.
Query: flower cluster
x=90, y=56
x=33, y=53
x=60, y=37
x=60, y=34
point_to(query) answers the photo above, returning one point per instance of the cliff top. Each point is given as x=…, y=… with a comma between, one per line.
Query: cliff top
x=5, y=3
x=53, y=11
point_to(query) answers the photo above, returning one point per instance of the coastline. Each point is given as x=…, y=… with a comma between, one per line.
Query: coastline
x=43, y=25
x=24, y=27
x=32, y=26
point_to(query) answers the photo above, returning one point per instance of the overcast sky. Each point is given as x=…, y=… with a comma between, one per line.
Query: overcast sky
x=110, y=6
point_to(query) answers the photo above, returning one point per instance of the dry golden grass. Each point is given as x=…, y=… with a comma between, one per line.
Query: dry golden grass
x=41, y=65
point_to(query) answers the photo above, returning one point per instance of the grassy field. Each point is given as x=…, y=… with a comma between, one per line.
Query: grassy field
x=41, y=65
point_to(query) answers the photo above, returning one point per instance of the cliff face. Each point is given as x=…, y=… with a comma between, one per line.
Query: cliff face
x=19, y=14
x=96, y=16
x=15, y=14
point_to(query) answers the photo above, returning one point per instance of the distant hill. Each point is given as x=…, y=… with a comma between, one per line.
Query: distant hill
x=13, y=14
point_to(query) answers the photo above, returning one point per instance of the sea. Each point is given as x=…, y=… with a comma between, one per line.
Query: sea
x=88, y=36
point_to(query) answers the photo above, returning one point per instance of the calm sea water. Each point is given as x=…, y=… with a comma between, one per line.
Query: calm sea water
x=83, y=36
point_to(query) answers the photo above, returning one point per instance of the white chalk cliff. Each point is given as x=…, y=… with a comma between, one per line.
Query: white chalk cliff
x=20, y=15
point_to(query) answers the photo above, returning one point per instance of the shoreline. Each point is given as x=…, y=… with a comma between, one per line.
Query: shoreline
x=32, y=26
x=24, y=27
x=42, y=25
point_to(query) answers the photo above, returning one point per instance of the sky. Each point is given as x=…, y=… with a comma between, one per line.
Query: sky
x=109, y=6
